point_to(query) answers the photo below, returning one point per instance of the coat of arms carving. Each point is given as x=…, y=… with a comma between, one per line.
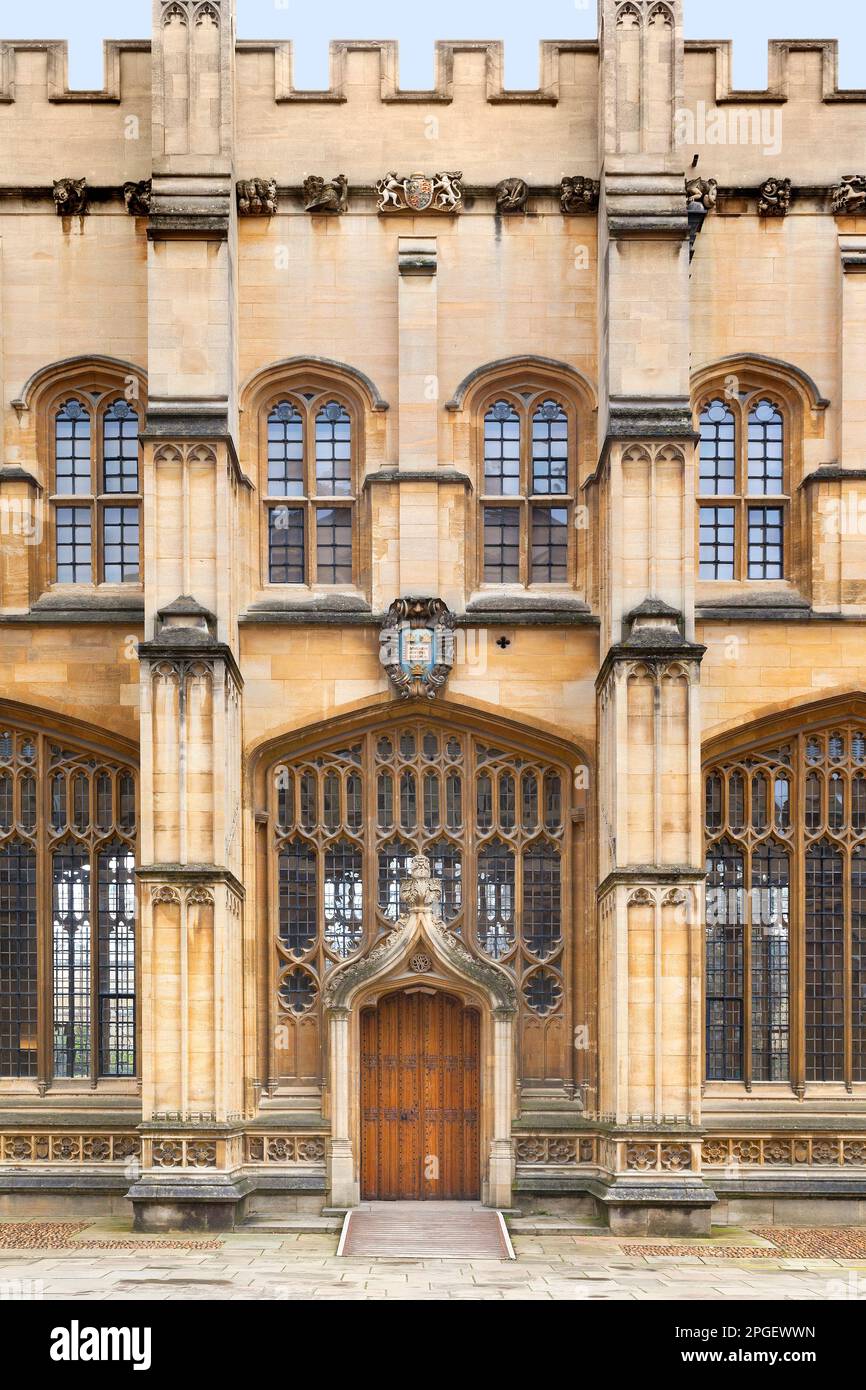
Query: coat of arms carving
x=416, y=646
x=421, y=193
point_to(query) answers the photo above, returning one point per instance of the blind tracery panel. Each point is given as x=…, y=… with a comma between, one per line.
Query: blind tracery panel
x=67, y=898
x=349, y=819
x=786, y=911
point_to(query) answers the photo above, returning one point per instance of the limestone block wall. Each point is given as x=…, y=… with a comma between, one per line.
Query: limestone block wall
x=753, y=669
x=86, y=672
x=801, y=124
x=104, y=135
x=466, y=121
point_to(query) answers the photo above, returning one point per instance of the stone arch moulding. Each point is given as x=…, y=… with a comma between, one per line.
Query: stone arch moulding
x=60, y=725
x=772, y=371
x=799, y=717
x=525, y=365
x=383, y=710
x=71, y=368
x=450, y=963
x=278, y=374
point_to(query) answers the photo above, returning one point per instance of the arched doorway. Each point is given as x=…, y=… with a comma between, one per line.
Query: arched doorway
x=420, y=1101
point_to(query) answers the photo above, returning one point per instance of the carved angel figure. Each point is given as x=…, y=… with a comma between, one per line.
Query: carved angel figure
x=320, y=196
x=703, y=191
x=511, y=195
x=850, y=194
x=774, y=198
x=257, y=197
x=70, y=197
x=578, y=194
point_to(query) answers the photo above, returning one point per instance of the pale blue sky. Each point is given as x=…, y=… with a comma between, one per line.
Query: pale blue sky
x=311, y=24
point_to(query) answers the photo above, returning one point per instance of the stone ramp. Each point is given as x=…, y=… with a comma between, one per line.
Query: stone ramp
x=425, y=1230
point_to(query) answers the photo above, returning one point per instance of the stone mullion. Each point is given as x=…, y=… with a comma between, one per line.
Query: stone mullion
x=44, y=920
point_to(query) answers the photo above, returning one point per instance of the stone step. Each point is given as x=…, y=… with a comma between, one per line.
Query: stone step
x=425, y=1230
x=553, y=1225
x=300, y=1223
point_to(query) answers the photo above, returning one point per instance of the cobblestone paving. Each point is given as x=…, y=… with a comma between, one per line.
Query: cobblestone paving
x=260, y=1266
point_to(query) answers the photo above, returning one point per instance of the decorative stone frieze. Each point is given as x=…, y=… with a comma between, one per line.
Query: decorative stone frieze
x=71, y=198
x=578, y=194
x=329, y=196
x=284, y=1148
x=797, y=1151
x=170, y=893
x=652, y=1157
x=774, y=197
x=421, y=193
x=66, y=1147
x=181, y=1151
x=549, y=1149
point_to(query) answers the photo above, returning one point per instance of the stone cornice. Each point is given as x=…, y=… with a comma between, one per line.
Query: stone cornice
x=194, y=649
x=648, y=652
x=190, y=875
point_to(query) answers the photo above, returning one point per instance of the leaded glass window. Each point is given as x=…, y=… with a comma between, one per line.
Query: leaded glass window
x=96, y=463
x=528, y=480
x=310, y=458
x=786, y=910
x=67, y=897
x=742, y=460
x=347, y=820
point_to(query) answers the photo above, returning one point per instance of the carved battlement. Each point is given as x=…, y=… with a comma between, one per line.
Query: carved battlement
x=450, y=58
x=57, y=87
x=448, y=55
x=779, y=85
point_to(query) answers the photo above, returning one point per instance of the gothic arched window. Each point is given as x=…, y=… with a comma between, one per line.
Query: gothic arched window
x=786, y=909
x=349, y=816
x=527, y=484
x=96, y=489
x=67, y=909
x=743, y=487
x=310, y=489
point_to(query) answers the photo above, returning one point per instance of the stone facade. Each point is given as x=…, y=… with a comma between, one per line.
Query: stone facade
x=181, y=240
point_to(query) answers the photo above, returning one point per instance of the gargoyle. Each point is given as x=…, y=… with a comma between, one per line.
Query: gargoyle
x=70, y=197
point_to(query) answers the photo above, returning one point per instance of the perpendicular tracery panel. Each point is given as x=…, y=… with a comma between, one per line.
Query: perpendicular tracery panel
x=495, y=822
x=786, y=910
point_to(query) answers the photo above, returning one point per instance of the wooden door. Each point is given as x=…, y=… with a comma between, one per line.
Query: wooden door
x=419, y=1098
